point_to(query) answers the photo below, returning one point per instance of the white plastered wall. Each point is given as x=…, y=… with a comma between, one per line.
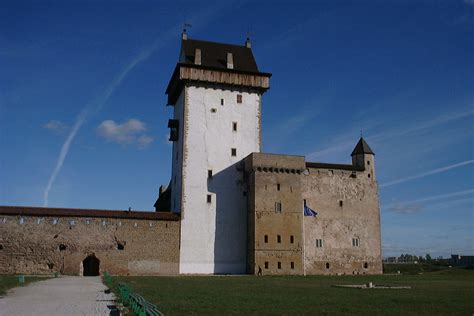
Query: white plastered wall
x=213, y=235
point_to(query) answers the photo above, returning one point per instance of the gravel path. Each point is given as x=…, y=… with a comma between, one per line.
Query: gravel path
x=59, y=296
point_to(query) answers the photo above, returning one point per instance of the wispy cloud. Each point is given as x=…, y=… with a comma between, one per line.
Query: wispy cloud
x=55, y=126
x=413, y=206
x=346, y=143
x=129, y=132
x=96, y=105
x=428, y=173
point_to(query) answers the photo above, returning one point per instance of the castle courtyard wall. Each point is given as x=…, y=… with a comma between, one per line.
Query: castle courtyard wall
x=44, y=244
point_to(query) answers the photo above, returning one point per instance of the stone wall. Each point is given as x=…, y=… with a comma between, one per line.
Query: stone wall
x=344, y=238
x=43, y=244
x=347, y=224
x=274, y=216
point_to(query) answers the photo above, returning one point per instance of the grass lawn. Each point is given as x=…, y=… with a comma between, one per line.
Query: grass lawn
x=447, y=292
x=9, y=281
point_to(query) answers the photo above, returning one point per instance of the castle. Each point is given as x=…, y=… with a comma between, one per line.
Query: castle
x=228, y=209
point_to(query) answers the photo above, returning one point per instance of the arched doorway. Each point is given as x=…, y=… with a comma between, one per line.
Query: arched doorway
x=90, y=266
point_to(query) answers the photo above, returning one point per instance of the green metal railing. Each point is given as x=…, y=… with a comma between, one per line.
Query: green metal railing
x=135, y=302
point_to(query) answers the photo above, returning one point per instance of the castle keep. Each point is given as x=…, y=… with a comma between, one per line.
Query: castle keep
x=229, y=208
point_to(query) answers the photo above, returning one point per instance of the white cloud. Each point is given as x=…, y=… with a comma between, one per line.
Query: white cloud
x=144, y=141
x=129, y=132
x=56, y=126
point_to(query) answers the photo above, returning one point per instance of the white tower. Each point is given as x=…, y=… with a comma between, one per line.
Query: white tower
x=216, y=91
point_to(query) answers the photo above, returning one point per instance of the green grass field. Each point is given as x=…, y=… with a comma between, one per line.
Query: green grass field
x=447, y=292
x=9, y=281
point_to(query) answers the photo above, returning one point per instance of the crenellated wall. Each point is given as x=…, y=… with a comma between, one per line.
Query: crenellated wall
x=49, y=241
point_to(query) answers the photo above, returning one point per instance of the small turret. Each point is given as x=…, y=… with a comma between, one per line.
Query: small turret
x=364, y=157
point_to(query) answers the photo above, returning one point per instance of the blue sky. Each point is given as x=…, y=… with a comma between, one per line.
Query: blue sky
x=88, y=78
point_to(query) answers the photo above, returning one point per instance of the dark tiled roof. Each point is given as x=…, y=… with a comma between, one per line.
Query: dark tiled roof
x=320, y=165
x=362, y=148
x=75, y=212
x=214, y=55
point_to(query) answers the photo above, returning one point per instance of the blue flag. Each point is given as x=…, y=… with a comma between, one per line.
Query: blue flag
x=309, y=212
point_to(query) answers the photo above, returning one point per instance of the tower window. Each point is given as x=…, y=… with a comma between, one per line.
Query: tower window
x=366, y=265
x=292, y=239
x=239, y=98
x=279, y=265
x=279, y=239
x=209, y=173
x=277, y=207
x=278, y=186
x=234, y=126
x=341, y=203
x=368, y=175
x=327, y=265
x=173, y=125
x=209, y=198
x=266, y=264
x=355, y=242
x=222, y=101
x=233, y=152
x=265, y=239
x=213, y=110
x=292, y=265
x=319, y=243
x=368, y=162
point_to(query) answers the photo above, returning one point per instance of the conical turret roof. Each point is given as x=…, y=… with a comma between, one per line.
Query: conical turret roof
x=362, y=148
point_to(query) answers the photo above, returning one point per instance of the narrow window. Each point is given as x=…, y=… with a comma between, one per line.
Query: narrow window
x=239, y=98
x=279, y=239
x=266, y=238
x=366, y=265
x=340, y=203
x=120, y=246
x=209, y=198
x=234, y=126
x=355, y=242
x=277, y=207
x=222, y=101
x=319, y=243
x=173, y=125
x=368, y=175
x=292, y=239
x=278, y=186
x=266, y=264
x=368, y=162
x=209, y=173
x=327, y=265
x=233, y=152
x=213, y=110
x=292, y=265
x=279, y=265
